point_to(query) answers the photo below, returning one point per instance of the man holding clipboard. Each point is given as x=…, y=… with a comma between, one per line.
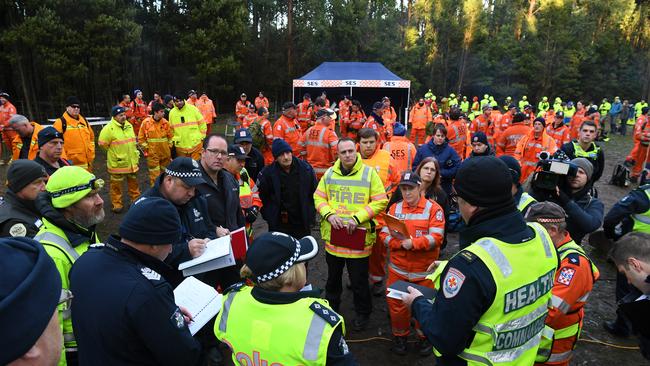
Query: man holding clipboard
x=348, y=197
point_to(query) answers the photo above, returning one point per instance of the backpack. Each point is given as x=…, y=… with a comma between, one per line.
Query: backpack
x=620, y=176
x=255, y=128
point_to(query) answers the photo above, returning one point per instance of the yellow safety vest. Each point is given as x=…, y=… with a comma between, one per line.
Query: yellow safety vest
x=297, y=333
x=509, y=332
x=524, y=201
x=642, y=221
x=188, y=126
x=359, y=194
x=120, y=143
x=58, y=247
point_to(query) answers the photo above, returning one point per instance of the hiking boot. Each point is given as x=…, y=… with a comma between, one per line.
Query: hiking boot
x=424, y=347
x=400, y=346
x=378, y=289
x=360, y=323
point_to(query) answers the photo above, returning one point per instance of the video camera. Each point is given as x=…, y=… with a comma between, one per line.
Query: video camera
x=552, y=171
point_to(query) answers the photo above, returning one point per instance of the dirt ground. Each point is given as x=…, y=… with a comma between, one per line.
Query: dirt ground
x=372, y=346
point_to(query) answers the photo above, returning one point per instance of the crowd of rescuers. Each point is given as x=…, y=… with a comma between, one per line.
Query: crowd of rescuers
x=203, y=186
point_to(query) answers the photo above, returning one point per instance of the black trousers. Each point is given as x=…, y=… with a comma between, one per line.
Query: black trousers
x=358, y=271
x=297, y=231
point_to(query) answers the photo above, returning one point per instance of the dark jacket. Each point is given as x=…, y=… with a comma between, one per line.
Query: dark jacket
x=446, y=156
x=268, y=185
x=127, y=315
x=255, y=163
x=49, y=169
x=18, y=217
x=195, y=220
x=636, y=202
x=441, y=323
x=233, y=218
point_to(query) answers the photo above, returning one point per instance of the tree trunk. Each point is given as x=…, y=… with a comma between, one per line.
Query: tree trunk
x=290, y=38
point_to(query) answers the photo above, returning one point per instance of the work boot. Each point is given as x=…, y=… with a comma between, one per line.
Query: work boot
x=424, y=347
x=616, y=329
x=400, y=346
x=361, y=322
x=378, y=289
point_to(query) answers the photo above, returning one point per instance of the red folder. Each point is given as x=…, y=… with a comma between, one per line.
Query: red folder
x=355, y=241
x=239, y=243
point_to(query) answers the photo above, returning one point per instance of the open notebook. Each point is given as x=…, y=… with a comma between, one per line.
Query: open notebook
x=200, y=299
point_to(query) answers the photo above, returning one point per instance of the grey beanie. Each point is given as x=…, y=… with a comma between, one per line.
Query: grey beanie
x=585, y=165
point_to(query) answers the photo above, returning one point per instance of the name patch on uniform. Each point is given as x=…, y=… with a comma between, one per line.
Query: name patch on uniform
x=177, y=319
x=566, y=276
x=452, y=282
x=529, y=293
x=18, y=230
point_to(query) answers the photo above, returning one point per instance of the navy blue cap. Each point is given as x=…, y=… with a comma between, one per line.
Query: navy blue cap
x=187, y=169
x=243, y=135
x=152, y=221
x=29, y=294
x=559, y=114
x=378, y=105
x=399, y=129
x=410, y=179
x=480, y=136
x=237, y=152
x=117, y=110
x=273, y=253
x=48, y=134
x=279, y=147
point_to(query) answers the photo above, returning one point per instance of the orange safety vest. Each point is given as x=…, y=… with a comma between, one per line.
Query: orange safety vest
x=426, y=225
x=402, y=151
x=7, y=110
x=305, y=113
x=457, y=136
x=261, y=102
x=17, y=144
x=139, y=108
x=372, y=123
x=575, y=123
x=206, y=107
x=288, y=130
x=528, y=149
x=248, y=119
x=241, y=110
x=507, y=141
x=79, y=140
x=318, y=147
x=561, y=134
x=483, y=124
x=382, y=162
x=155, y=138
x=419, y=117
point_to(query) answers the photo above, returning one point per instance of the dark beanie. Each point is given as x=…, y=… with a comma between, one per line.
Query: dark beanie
x=480, y=137
x=518, y=117
x=541, y=120
x=280, y=146
x=72, y=100
x=513, y=166
x=472, y=185
x=152, y=221
x=22, y=172
x=29, y=293
x=48, y=134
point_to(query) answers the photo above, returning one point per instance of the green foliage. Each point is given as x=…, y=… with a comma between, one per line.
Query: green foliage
x=99, y=49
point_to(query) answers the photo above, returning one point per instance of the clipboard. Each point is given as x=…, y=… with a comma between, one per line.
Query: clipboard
x=355, y=241
x=396, y=225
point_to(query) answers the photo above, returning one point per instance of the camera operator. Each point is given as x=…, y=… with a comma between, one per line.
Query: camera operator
x=572, y=192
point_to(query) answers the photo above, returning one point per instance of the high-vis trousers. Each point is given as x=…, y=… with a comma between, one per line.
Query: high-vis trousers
x=418, y=136
x=400, y=314
x=116, y=182
x=155, y=165
x=377, y=264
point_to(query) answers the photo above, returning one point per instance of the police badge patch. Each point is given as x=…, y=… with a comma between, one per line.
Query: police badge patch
x=452, y=283
x=18, y=230
x=177, y=319
x=150, y=274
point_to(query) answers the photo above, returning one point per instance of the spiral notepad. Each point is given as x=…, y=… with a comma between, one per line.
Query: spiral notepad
x=201, y=300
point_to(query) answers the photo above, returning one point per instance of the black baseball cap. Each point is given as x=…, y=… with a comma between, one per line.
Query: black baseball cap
x=273, y=253
x=243, y=135
x=237, y=152
x=410, y=179
x=324, y=112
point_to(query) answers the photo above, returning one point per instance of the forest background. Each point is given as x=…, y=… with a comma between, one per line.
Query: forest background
x=99, y=49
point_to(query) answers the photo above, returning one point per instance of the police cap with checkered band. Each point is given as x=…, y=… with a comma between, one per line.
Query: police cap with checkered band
x=187, y=170
x=273, y=253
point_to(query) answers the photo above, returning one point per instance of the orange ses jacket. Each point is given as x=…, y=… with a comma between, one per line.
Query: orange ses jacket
x=261, y=102
x=241, y=110
x=457, y=136
x=426, y=225
x=318, y=147
x=206, y=107
x=288, y=130
x=576, y=121
x=528, y=149
x=483, y=124
x=402, y=152
x=419, y=117
x=156, y=138
x=17, y=144
x=506, y=142
x=561, y=134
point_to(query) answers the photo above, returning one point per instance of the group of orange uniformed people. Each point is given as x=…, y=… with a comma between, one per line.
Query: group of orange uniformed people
x=309, y=128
